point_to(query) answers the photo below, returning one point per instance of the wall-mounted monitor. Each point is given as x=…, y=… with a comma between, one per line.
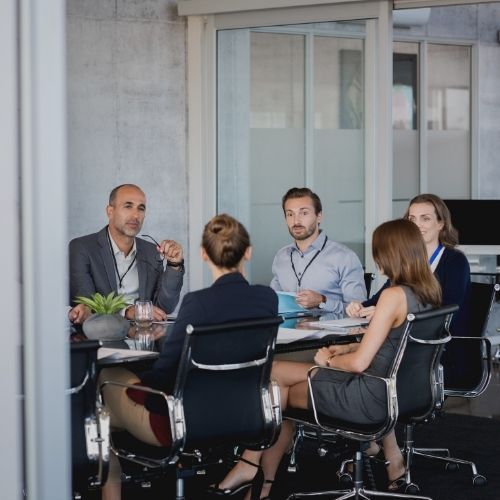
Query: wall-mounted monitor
x=476, y=222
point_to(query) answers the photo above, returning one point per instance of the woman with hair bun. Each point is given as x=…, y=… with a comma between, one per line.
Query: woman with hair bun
x=225, y=247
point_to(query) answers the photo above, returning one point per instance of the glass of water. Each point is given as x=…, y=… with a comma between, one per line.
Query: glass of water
x=144, y=340
x=143, y=314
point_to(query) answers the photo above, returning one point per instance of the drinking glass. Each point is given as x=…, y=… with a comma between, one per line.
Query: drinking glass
x=143, y=314
x=144, y=340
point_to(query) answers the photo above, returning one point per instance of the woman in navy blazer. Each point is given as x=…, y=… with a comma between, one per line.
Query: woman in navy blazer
x=225, y=247
x=450, y=266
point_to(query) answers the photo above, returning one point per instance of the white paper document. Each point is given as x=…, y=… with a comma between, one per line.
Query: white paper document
x=115, y=353
x=339, y=324
x=287, y=335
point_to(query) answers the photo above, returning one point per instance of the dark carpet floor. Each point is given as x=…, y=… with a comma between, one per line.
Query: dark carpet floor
x=474, y=438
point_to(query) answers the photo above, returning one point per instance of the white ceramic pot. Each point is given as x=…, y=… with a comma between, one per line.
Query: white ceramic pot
x=105, y=327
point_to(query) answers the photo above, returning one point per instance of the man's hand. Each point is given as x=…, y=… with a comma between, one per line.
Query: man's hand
x=159, y=314
x=79, y=314
x=308, y=298
x=171, y=250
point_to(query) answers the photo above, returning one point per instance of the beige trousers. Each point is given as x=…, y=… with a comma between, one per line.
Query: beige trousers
x=125, y=413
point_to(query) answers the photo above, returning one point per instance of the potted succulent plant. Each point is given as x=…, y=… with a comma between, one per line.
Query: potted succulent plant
x=105, y=322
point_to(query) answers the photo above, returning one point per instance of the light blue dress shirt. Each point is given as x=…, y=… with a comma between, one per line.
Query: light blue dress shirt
x=336, y=272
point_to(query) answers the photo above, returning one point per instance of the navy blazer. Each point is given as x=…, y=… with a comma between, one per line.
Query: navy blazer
x=453, y=274
x=230, y=298
x=91, y=269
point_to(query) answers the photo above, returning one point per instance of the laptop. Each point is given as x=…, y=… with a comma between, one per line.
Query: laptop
x=288, y=308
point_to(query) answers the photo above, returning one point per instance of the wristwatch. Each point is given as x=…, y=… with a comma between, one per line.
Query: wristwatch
x=176, y=265
x=322, y=304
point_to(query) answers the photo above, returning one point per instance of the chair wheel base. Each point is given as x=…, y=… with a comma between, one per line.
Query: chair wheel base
x=412, y=489
x=451, y=466
x=479, y=480
x=345, y=480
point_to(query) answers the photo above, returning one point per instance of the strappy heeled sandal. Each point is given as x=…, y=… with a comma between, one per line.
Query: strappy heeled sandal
x=398, y=485
x=268, y=481
x=256, y=484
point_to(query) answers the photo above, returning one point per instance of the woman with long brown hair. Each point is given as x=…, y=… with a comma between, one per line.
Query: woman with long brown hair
x=451, y=268
x=399, y=251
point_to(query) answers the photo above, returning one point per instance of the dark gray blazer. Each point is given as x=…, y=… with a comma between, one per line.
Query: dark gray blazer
x=91, y=269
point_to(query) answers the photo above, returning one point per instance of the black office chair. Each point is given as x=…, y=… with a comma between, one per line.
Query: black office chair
x=89, y=421
x=222, y=395
x=476, y=368
x=416, y=360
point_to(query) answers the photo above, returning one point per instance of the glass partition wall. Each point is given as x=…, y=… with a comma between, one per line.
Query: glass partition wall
x=290, y=112
x=431, y=121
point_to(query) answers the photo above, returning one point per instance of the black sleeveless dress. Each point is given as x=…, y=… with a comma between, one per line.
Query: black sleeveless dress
x=355, y=398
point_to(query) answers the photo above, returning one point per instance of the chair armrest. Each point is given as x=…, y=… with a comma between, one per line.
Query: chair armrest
x=484, y=340
x=443, y=340
x=135, y=387
x=175, y=410
x=392, y=402
x=276, y=401
x=77, y=388
x=364, y=374
x=486, y=376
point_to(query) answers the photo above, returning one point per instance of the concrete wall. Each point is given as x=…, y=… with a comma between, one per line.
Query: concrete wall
x=127, y=111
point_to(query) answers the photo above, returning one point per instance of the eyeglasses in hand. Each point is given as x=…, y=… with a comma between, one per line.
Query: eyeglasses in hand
x=162, y=255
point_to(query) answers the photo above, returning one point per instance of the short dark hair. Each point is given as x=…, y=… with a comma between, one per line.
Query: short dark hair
x=225, y=240
x=296, y=192
x=114, y=191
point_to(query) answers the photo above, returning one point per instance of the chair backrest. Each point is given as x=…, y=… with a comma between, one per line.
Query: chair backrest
x=223, y=383
x=466, y=360
x=369, y=277
x=417, y=388
x=83, y=407
x=481, y=299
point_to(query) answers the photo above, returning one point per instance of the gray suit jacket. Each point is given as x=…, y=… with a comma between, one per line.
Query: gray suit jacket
x=91, y=269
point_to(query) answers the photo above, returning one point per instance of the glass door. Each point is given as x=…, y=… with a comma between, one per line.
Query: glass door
x=290, y=112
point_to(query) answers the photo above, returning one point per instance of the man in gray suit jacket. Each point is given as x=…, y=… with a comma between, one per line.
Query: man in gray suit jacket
x=115, y=260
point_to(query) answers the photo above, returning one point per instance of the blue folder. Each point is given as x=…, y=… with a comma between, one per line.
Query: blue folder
x=288, y=308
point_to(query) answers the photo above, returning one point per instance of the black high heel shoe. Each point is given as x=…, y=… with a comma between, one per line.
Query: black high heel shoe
x=268, y=481
x=398, y=485
x=256, y=484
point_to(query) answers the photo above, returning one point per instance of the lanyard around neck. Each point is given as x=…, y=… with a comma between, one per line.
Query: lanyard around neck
x=299, y=280
x=120, y=278
x=435, y=254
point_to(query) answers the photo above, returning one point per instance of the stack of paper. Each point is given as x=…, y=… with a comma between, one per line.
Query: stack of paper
x=339, y=324
x=287, y=335
x=115, y=353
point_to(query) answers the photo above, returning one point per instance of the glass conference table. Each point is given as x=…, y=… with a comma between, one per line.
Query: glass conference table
x=294, y=335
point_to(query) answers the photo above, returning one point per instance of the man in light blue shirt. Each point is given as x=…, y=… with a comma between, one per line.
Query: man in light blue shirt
x=325, y=274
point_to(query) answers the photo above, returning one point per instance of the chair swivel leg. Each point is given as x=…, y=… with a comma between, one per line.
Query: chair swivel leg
x=179, y=489
x=441, y=454
x=358, y=490
x=297, y=441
